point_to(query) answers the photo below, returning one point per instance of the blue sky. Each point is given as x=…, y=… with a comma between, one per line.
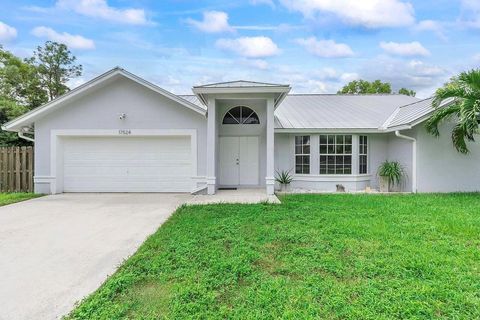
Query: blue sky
x=314, y=45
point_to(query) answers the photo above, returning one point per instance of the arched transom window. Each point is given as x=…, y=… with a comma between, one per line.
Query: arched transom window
x=241, y=115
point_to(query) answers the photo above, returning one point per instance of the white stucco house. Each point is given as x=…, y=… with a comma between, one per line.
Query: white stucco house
x=120, y=133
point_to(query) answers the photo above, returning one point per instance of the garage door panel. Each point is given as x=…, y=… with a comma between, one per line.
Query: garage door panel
x=127, y=164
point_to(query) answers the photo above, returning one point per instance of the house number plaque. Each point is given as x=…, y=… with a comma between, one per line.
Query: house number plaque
x=124, y=132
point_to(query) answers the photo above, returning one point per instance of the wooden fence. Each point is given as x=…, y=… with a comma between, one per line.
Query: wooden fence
x=16, y=169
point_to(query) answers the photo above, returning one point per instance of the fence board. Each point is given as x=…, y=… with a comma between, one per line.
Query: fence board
x=16, y=169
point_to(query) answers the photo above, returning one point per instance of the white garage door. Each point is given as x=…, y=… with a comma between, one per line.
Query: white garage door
x=127, y=164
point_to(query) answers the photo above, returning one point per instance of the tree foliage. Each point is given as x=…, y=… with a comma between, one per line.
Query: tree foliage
x=366, y=87
x=28, y=83
x=374, y=87
x=407, y=92
x=463, y=109
x=55, y=66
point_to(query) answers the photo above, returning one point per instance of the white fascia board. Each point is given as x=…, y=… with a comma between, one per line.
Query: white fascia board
x=31, y=116
x=327, y=130
x=200, y=90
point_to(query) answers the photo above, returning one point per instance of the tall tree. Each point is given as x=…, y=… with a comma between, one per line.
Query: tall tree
x=55, y=66
x=19, y=81
x=407, y=92
x=366, y=87
x=27, y=84
x=463, y=111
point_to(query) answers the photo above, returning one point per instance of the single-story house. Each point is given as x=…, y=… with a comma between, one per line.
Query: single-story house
x=121, y=133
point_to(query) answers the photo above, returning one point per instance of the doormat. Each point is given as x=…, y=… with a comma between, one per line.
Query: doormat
x=227, y=188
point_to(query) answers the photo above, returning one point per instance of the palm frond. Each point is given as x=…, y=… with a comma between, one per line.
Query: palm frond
x=439, y=116
x=470, y=79
x=451, y=90
x=458, y=139
x=465, y=110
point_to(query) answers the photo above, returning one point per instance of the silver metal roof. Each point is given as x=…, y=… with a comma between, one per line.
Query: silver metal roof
x=193, y=99
x=411, y=113
x=240, y=84
x=330, y=111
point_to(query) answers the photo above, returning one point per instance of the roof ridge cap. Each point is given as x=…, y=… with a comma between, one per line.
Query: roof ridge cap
x=409, y=104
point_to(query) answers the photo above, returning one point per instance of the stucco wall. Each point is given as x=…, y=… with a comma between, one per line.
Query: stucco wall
x=441, y=168
x=144, y=108
x=400, y=150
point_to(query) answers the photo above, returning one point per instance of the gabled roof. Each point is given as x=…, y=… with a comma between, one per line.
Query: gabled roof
x=412, y=114
x=240, y=84
x=30, y=117
x=338, y=112
x=242, y=87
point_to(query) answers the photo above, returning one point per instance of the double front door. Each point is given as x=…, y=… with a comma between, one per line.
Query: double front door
x=239, y=161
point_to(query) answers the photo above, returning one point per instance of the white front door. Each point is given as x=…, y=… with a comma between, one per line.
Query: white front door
x=239, y=161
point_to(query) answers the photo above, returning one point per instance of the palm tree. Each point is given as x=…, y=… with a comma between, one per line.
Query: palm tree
x=464, y=109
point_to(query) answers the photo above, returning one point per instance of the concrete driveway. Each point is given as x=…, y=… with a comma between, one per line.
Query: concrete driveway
x=57, y=249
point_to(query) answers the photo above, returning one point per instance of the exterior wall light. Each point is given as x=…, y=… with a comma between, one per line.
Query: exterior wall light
x=122, y=116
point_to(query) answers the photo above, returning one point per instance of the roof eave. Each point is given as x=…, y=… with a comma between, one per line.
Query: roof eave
x=327, y=130
x=30, y=117
x=220, y=90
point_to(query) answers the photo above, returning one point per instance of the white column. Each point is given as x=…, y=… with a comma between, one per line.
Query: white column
x=270, y=172
x=211, y=146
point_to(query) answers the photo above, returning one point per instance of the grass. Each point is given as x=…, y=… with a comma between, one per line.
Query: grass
x=313, y=256
x=9, y=198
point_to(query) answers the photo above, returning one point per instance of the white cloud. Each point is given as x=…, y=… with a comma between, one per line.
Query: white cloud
x=265, y=2
x=101, y=9
x=431, y=26
x=413, y=74
x=250, y=47
x=213, y=22
x=471, y=13
x=326, y=48
x=72, y=41
x=366, y=13
x=7, y=32
x=256, y=63
x=407, y=49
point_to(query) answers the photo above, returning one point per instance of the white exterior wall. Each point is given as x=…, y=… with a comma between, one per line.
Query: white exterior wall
x=401, y=150
x=441, y=168
x=145, y=109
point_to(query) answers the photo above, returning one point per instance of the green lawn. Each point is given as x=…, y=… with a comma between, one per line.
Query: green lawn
x=9, y=198
x=313, y=256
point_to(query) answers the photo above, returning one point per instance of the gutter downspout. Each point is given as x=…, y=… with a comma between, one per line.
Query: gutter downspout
x=21, y=134
x=414, y=158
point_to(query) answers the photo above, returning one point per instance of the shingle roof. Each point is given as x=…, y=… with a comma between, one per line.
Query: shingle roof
x=240, y=84
x=327, y=111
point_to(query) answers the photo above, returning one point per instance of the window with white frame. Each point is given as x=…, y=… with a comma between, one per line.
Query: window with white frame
x=302, y=154
x=335, y=154
x=363, y=155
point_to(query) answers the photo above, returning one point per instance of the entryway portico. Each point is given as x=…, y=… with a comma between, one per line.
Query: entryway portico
x=240, y=133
